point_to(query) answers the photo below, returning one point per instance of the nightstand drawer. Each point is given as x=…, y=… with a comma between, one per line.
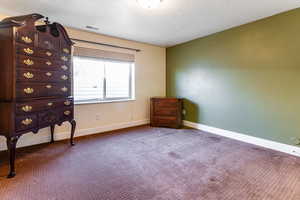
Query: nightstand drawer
x=164, y=111
x=164, y=120
x=166, y=103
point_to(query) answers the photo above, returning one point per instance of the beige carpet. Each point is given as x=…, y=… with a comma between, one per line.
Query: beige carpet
x=147, y=163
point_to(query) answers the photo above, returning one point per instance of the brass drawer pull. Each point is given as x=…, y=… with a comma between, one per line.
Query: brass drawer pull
x=64, y=89
x=64, y=58
x=48, y=63
x=49, y=74
x=67, y=112
x=28, y=62
x=64, y=77
x=26, y=39
x=67, y=103
x=28, y=51
x=48, y=53
x=64, y=67
x=28, y=75
x=27, y=121
x=65, y=50
x=27, y=108
x=50, y=104
x=28, y=90
x=49, y=86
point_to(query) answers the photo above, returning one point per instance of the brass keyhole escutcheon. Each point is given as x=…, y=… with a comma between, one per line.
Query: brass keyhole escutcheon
x=27, y=121
x=28, y=75
x=28, y=51
x=27, y=108
x=28, y=90
x=28, y=62
x=26, y=39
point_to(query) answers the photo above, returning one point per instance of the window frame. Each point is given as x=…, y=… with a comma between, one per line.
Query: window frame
x=131, y=96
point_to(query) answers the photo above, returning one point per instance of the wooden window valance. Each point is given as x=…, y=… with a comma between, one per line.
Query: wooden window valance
x=103, y=54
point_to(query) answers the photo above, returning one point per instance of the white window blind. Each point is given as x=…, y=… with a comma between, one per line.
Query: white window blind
x=98, y=79
x=118, y=79
x=88, y=79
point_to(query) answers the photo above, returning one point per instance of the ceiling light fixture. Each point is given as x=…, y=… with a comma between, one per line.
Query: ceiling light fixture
x=149, y=3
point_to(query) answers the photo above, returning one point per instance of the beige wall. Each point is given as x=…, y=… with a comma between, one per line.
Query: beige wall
x=150, y=74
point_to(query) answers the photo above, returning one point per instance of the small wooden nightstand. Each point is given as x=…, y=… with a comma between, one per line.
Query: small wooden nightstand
x=166, y=112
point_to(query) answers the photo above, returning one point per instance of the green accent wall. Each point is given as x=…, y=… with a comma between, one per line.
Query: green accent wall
x=245, y=79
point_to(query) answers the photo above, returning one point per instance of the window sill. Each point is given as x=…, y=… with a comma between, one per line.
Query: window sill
x=101, y=102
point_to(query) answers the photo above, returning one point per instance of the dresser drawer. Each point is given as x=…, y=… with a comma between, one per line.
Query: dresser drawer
x=42, y=105
x=66, y=114
x=35, y=52
x=65, y=49
x=26, y=50
x=25, y=36
x=47, y=118
x=34, y=90
x=45, y=41
x=26, y=122
x=35, y=75
x=64, y=58
x=41, y=63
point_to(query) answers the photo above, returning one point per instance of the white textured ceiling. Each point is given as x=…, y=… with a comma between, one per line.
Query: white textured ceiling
x=173, y=22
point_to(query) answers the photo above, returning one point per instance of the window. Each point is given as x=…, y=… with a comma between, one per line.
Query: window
x=101, y=80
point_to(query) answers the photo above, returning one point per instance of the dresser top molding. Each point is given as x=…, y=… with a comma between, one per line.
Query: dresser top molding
x=30, y=20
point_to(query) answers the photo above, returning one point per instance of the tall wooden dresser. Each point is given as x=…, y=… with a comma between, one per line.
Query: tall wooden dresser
x=35, y=79
x=166, y=112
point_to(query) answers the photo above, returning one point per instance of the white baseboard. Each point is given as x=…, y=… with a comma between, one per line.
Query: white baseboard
x=293, y=150
x=45, y=137
x=91, y=131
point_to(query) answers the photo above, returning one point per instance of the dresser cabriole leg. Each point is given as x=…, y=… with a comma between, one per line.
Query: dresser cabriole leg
x=11, y=146
x=52, y=133
x=73, y=123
